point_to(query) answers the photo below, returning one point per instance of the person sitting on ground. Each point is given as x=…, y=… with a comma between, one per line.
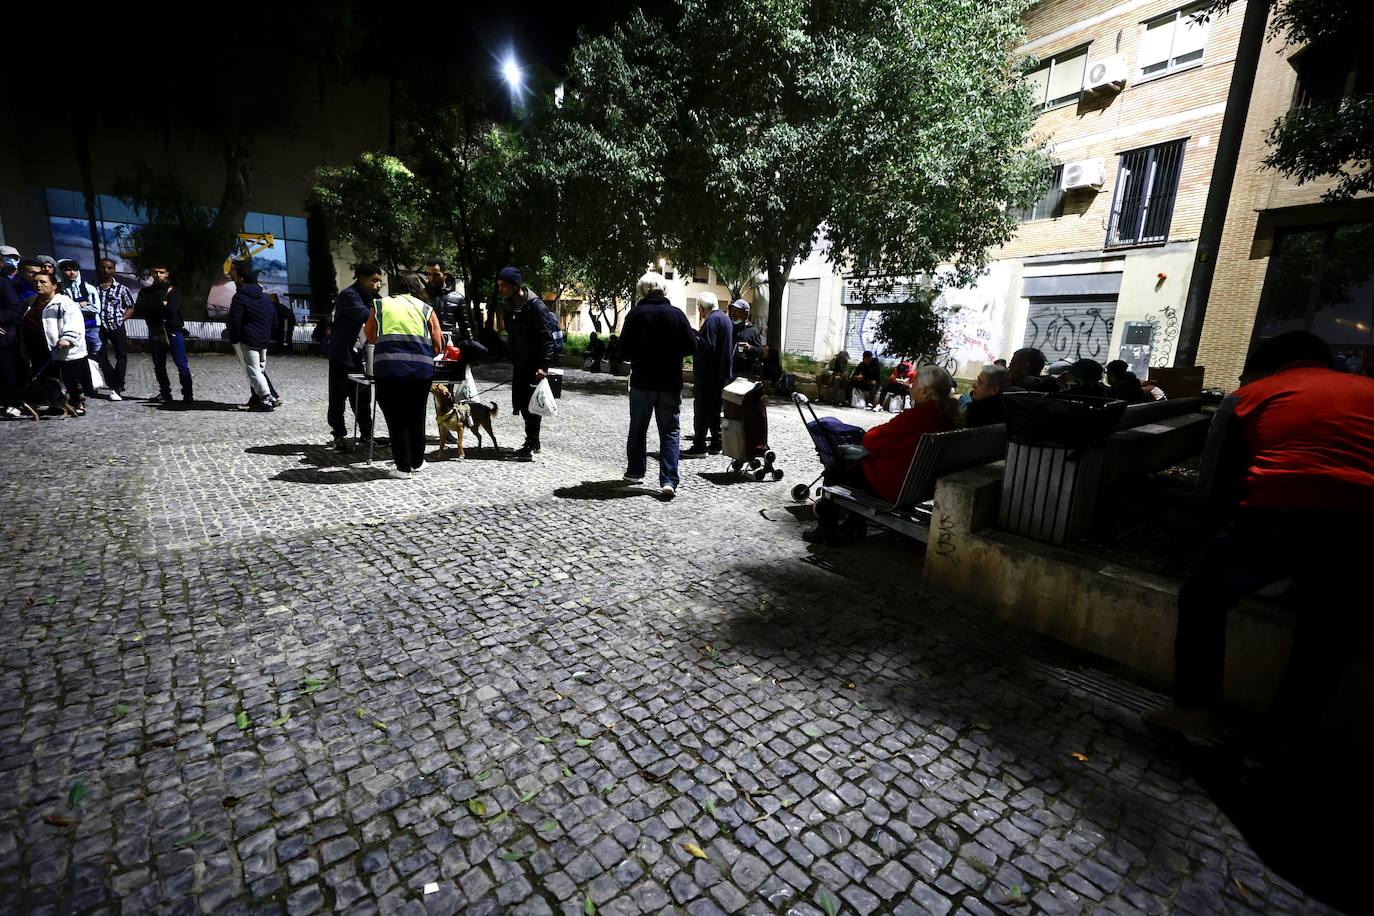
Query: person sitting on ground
x=596, y=352
x=613, y=350
x=770, y=368
x=864, y=378
x=890, y=447
x=1122, y=383
x=1024, y=371
x=830, y=383
x=1289, y=467
x=986, y=408
x=898, y=383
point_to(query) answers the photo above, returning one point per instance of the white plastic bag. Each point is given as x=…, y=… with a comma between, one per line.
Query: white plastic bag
x=542, y=403
x=467, y=390
x=856, y=398
x=97, y=377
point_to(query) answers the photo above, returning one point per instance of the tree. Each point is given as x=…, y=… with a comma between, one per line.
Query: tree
x=1332, y=134
x=915, y=329
x=378, y=207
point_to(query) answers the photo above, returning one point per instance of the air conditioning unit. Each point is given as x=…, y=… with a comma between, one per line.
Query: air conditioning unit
x=1106, y=75
x=1085, y=173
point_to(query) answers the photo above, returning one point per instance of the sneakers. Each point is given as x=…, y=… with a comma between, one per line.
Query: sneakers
x=13, y=413
x=419, y=467
x=1199, y=723
x=524, y=453
x=341, y=444
x=666, y=492
x=631, y=478
x=398, y=474
x=714, y=448
x=695, y=451
x=261, y=406
x=114, y=396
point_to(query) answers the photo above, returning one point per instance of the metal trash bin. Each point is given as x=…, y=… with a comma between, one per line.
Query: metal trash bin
x=1054, y=462
x=555, y=377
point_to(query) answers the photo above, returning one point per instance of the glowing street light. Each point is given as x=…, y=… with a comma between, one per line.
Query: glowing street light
x=510, y=70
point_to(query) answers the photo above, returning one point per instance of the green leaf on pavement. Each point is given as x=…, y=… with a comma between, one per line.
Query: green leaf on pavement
x=608, y=789
x=528, y=795
x=378, y=723
x=279, y=720
x=477, y=807
x=567, y=773
x=583, y=742
x=484, y=776
x=828, y=902
x=120, y=710
x=499, y=818
x=588, y=908
x=544, y=739
x=547, y=825
x=190, y=838
x=78, y=792
x=511, y=856
x=711, y=806
x=242, y=720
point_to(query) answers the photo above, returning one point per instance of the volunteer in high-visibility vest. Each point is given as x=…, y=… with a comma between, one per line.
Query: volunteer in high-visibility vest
x=406, y=334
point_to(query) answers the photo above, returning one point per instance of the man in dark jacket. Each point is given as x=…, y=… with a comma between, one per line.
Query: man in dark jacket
x=712, y=370
x=351, y=309
x=656, y=339
x=530, y=342
x=748, y=341
x=986, y=408
x=11, y=311
x=159, y=305
x=249, y=329
x=450, y=306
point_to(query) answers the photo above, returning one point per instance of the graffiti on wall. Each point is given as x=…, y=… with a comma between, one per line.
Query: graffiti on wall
x=1166, y=335
x=1070, y=332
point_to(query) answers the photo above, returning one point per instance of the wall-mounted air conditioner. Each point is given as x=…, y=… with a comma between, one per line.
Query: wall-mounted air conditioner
x=1085, y=173
x=1106, y=75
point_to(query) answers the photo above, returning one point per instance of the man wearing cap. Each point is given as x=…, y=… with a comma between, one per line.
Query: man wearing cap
x=530, y=342
x=712, y=369
x=748, y=340
x=11, y=312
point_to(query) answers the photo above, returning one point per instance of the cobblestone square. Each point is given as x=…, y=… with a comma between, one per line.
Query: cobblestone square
x=243, y=673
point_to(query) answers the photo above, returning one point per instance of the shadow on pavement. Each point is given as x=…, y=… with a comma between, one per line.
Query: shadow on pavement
x=1309, y=823
x=728, y=478
x=485, y=453
x=318, y=455
x=602, y=490
x=338, y=475
x=183, y=406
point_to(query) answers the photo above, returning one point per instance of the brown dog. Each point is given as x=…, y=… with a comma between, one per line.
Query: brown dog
x=44, y=396
x=454, y=418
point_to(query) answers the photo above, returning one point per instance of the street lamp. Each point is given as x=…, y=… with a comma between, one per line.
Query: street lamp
x=510, y=70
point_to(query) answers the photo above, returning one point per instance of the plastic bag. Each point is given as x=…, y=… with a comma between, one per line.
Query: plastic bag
x=856, y=398
x=467, y=389
x=97, y=377
x=542, y=403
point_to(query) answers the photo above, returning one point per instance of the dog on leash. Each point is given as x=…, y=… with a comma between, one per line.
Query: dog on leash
x=45, y=397
x=454, y=418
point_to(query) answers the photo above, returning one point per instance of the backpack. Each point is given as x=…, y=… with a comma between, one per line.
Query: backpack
x=559, y=340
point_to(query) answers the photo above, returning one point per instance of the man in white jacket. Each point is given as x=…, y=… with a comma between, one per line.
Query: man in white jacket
x=63, y=340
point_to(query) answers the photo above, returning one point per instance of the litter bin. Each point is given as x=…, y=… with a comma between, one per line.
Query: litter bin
x=1054, y=462
x=555, y=377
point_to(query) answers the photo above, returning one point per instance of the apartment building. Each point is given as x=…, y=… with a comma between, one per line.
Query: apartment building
x=1132, y=94
x=1289, y=260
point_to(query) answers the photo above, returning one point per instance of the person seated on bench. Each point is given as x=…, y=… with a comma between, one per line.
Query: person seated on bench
x=596, y=352
x=830, y=383
x=865, y=379
x=986, y=408
x=898, y=384
x=1289, y=465
x=1123, y=385
x=1024, y=371
x=890, y=447
x=1084, y=377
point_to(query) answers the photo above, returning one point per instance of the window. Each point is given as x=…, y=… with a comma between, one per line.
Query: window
x=701, y=274
x=1051, y=201
x=1143, y=202
x=1329, y=72
x=1173, y=41
x=1058, y=81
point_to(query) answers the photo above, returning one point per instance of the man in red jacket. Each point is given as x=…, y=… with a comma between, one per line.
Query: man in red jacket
x=1290, y=460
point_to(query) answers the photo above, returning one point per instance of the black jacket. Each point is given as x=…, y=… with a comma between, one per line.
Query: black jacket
x=351, y=309
x=452, y=310
x=160, y=306
x=530, y=340
x=985, y=412
x=251, y=317
x=11, y=310
x=713, y=361
x=655, y=339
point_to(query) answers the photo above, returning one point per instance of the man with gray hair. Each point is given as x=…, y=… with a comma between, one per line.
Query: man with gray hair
x=712, y=370
x=986, y=408
x=656, y=339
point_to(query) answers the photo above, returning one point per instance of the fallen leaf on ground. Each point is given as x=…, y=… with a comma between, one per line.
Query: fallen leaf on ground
x=544, y=739
x=1081, y=758
x=120, y=710
x=511, y=856
x=567, y=773
x=711, y=806
x=528, y=795
x=583, y=742
x=190, y=838
x=828, y=902
x=57, y=820
x=588, y=908
x=695, y=851
x=477, y=807
x=242, y=720
x=483, y=776
x=499, y=818
x=280, y=720
x=547, y=825
x=229, y=801
x=78, y=792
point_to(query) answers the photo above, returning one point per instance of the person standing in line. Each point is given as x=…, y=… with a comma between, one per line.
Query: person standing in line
x=351, y=309
x=115, y=299
x=11, y=312
x=656, y=339
x=71, y=284
x=531, y=351
x=55, y=340
x=712, y=370
x=405, y=331
x=249, y=325
x=160, y=306
x=748, y=341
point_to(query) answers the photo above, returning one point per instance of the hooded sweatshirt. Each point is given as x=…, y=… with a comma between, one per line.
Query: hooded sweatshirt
x=251, y=317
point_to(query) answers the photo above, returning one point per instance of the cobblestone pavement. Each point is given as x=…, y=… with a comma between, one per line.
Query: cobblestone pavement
x=243, y=673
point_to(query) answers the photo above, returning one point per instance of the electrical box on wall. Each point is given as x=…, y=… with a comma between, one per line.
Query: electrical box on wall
x=1137, y=341
x=1106, y=75
x=1085, y=173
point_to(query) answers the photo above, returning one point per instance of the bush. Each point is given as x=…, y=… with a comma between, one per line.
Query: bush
x=575, y=344
x=802, y=365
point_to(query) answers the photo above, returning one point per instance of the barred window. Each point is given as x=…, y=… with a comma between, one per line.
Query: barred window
x=1143, y=202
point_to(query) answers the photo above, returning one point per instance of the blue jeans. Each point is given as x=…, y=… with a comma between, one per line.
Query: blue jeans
x=177, y=348
x=663, y=406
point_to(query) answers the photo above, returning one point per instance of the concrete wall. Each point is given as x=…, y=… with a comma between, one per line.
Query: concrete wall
x=1111, y=611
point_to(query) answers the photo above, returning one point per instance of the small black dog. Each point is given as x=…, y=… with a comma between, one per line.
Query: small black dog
x=44, y=396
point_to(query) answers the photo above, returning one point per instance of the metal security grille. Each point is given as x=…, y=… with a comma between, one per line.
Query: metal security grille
x=1143, y=202
x=803, y=298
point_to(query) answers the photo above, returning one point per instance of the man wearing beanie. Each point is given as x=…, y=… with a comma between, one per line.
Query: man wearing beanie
x=531, y=350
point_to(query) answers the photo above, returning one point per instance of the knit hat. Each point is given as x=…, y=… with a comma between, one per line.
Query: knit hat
x=511, y=275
